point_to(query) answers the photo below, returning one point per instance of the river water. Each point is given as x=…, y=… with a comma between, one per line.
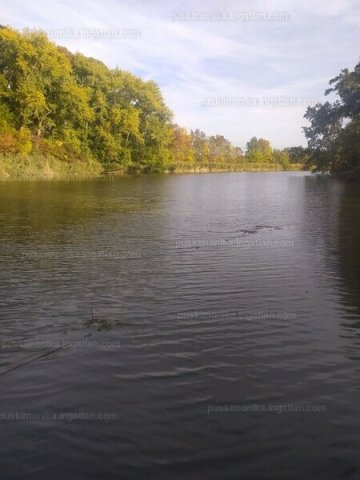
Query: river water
x=201, y=326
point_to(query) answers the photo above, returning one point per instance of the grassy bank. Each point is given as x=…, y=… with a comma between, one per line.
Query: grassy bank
x=40, y=167
x=31, y=167
x=240, y=167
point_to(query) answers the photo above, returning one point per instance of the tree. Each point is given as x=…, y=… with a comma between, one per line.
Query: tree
x=180, y=146
x=282, y=157
x=333, y=134
x=258, y=150
x=298, y=154
x=200, y=145
x=72, y=107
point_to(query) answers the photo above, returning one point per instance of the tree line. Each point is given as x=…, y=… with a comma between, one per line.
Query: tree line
x=57, y=103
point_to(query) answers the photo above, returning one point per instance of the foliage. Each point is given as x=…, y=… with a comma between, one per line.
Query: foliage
x=297, y=155
x=334, y=131
x=71, y=108
x=258, y=151
x=282, y=157
x=67, y=105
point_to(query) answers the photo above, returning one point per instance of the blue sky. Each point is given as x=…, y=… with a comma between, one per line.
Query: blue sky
x=226, y=67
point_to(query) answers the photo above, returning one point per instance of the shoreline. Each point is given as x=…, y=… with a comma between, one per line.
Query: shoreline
x=29, y=167
x=351, y=175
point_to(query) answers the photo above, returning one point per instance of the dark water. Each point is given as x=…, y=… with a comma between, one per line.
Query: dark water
x=224, y=336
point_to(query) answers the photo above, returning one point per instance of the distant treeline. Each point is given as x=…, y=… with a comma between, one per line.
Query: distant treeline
x=72, y=107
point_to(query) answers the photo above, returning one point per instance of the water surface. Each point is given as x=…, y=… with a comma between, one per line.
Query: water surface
x=197, y=313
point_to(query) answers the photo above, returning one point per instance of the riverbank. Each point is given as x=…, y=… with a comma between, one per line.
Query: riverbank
x=243, y=167
x=39, y=167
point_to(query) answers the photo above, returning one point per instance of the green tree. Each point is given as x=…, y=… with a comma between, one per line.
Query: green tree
x=258, y=150
x=334, y=131
x=298, y=154
x=181, y=147
x=282, y=157
x=74, y=107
